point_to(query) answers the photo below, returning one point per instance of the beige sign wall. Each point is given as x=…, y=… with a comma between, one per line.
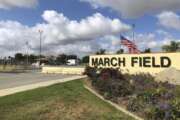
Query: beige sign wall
x=135, y=63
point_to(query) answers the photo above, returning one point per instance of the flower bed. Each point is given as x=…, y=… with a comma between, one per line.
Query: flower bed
x=140, y=93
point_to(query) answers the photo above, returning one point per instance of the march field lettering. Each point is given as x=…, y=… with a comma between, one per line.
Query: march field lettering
x=152, y=62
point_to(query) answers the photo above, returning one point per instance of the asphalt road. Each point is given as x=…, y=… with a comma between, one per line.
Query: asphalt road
x=10, y=80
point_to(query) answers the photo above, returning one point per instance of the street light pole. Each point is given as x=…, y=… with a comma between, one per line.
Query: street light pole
x=40, y=45
x=27, y=54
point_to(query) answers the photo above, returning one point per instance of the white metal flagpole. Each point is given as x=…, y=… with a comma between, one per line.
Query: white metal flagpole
x=133, y=28
x=121, y=47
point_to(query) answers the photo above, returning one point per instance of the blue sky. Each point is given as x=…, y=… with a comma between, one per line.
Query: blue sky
x=154, y=24
x=73, y=9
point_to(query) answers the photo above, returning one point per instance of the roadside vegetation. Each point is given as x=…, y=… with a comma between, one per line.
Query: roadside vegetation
x=67, y=101
x=140, y=93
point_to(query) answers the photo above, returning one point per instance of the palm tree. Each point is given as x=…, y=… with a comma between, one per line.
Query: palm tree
x=173, y=47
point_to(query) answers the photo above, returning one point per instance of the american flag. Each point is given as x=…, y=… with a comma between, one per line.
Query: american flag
x=130, y=45
x=126, y=42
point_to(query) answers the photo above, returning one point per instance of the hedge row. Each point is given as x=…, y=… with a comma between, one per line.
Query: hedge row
x=139, y=93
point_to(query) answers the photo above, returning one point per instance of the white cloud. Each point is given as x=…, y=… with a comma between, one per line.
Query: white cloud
x=135, y=8
x=66, y=31
x=62, y=35
x=169, y=20
x=162, y=32
x=144, y=41
x=155, y=41
x=13, y=37
x=112, y=43
x=7, y=4
x=59, y=33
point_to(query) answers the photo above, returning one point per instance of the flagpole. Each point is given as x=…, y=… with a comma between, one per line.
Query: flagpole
x=120, y=42
x=133, y=28
x=121, y=47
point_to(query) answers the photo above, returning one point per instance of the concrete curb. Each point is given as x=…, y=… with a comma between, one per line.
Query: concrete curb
x=9, y=91
x=113, y=104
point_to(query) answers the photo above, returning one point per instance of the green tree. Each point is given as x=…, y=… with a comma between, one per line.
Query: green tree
x=32, y=58
x=120, y=51
x=85, y=59
x=101, y=52
x=51, y=60
x=173, y=47
x=72, y=57
x=61, y=59
x=19, y=57
x=148, y=50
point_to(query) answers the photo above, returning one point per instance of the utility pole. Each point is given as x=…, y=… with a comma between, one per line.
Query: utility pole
x=27, y=54
x=40, y=45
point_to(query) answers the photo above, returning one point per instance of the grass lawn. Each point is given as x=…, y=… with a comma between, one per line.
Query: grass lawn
x=67, y=101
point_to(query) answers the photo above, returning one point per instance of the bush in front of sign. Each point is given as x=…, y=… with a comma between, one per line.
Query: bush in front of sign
x=109, y=82
x=176, y=108
x=153, y=100
x=91, y=72
x=140, y=93
x=135, y=104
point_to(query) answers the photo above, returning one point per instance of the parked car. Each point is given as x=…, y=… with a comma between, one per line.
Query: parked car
x=72, y=62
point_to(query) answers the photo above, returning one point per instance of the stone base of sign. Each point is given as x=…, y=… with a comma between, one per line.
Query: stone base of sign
x=113, y=104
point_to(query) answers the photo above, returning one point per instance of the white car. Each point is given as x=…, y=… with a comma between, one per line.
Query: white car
x=71, y=62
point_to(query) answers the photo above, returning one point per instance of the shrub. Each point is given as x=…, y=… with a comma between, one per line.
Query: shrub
x=111, y=73
x=113, y=82
x=163, y=111
x=148, y=96
x=151, y=99
x=109, y=82
x=135, y=105
x=143, y=82
x=90, y=72
x=176, y=108
x=149, y=112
